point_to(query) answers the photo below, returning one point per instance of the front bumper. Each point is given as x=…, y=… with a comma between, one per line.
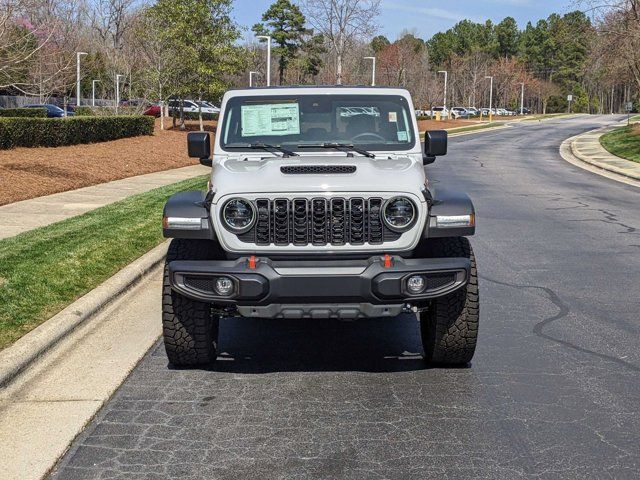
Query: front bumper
x=343, y=289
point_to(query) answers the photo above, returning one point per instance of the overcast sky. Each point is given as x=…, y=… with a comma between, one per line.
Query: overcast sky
x=427, y=17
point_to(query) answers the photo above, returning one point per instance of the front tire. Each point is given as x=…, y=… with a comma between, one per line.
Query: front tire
x=189, y=329
x=449, y=328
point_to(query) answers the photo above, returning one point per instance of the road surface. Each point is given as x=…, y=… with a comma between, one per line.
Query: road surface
x=553, y=391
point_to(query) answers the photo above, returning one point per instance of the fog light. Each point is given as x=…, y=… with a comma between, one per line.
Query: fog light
x=415, y=284
x=224, y=286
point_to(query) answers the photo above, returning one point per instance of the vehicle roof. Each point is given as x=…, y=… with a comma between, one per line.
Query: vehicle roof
x=309, y=89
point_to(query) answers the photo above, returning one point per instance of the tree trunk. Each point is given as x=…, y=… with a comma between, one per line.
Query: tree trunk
x=200, y=113
x=339, y=69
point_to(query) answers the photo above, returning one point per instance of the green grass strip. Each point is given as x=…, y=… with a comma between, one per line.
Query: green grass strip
x=623, y=142
x=44, y=270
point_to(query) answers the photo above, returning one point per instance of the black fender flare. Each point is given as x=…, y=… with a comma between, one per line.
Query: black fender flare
x=181, y=214
x=448, y=202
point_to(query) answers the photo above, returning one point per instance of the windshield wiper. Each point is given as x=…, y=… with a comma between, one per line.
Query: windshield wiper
x=264, y=146
x=339, y=146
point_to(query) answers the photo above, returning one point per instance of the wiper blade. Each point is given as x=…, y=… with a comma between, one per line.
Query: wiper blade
x=339, y=146
x=264, y=146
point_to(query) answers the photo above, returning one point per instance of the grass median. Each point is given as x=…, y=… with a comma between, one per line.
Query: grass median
x=44, y=270
x=623, y=142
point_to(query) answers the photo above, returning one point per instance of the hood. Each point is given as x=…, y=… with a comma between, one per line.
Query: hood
x=264, y=175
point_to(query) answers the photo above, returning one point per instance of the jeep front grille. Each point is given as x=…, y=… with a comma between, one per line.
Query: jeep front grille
x=319, y=221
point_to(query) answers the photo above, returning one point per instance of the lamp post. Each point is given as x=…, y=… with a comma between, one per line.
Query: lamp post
x=446, y=74
x=522, y=99
x=251, y=74
x=78, y=55
x=268, y=39
x=93, y=92
x=490, y=98
x=118, y=91
x=373, y=72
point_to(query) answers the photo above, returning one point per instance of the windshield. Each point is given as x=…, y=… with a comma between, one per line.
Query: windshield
x=374, y=122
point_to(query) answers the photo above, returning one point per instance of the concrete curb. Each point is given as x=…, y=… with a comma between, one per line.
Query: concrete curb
x=19, y=356
x=568, y=154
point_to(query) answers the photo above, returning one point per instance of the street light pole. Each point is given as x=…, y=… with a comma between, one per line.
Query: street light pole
x=373, y=72
x=118, y=91
x=78, y=55
x=445, y=88
x=522, y=99
x=268, y=39
x=251, y=74
x=490, y=98
x=93, y=92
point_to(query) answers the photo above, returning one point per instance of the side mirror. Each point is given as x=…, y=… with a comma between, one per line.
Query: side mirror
x=199, y=146
x=435, y=145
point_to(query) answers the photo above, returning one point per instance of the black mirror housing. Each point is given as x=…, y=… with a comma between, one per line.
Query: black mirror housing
x=435, y=145
x=199, y=145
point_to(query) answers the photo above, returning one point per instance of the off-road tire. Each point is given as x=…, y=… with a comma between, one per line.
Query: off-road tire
x=189, y=329
x=449, y=328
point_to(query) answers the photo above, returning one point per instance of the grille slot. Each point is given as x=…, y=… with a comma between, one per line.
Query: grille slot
x=300, y=221
x=317, y=169
x=319, y=221
x=263, y=225
x=438, y=280
x=203, y=284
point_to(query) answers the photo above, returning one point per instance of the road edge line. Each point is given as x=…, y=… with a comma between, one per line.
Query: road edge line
x=17, y=357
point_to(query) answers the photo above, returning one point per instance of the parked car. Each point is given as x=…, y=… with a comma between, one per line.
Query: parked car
x=444, y=112
x=473, y=111
x=210, y=107
x=153, y=110
x=263, y=238
x=53, y=111
x=460, y=112
x=193, y=106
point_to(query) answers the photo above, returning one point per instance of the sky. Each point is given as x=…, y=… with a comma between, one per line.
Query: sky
x=427, y=17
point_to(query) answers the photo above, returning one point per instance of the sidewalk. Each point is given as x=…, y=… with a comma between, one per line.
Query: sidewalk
x=587, y=147
x=26, y=215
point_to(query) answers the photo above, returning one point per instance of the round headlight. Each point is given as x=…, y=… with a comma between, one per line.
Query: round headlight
x=238, y=215
x=399, y=213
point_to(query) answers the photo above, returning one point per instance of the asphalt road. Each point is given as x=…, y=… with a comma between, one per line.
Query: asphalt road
x=553, y=391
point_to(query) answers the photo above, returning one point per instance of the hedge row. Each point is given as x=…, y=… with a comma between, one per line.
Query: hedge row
x=55, y=132
x=23, y=112
x=193, y=115
x=105, y=111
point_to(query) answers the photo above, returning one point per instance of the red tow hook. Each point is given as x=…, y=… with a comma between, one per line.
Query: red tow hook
x=387, y=260
x=252, y=262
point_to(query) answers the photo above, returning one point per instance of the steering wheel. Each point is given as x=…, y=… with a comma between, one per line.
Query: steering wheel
x=369, y=134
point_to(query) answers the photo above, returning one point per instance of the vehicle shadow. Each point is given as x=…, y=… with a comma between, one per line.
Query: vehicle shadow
x=368, y=345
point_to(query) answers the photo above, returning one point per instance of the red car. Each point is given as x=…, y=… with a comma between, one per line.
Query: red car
x=151, y=109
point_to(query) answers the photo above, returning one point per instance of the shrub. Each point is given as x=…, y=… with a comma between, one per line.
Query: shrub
x=23, y=112
x=55, y=132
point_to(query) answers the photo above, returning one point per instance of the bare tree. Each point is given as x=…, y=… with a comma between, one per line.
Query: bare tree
x=342, y=23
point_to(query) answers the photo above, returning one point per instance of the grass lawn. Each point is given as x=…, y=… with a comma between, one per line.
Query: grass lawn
x=623, y=142
x=44, y=270
x=545, y=116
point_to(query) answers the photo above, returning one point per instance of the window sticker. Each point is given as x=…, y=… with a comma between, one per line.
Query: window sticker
x=403, y=136
x=393, y=117
x=270, y=119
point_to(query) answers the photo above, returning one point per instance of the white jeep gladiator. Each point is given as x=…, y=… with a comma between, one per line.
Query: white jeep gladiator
x=319, y=207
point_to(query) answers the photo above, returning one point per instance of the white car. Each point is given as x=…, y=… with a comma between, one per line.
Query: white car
x=444, y=112
x=193, y=106
x=318, y=207
x=460, y=112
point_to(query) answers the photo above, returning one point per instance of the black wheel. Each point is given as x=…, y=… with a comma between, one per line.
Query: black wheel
x=189, y=329
x=449, y=328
